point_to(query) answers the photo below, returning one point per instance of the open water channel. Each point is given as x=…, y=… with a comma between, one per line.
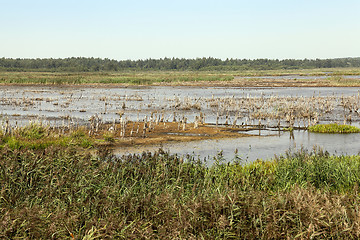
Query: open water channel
x=251, y=148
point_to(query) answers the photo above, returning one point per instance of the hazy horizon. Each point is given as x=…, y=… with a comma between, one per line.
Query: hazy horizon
x=123, y=30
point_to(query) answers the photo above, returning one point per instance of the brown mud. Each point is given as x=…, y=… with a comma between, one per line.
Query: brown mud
x=162, y=133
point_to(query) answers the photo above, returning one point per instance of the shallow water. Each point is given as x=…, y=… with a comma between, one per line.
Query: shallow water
x=54, y=104
x=259, y=147
x=62, y=104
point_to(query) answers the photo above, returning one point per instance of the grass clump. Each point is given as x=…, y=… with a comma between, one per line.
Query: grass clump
x=109, y=137
x=37, y=136
x=32, y=131
x=126, y=77
x=333, y=128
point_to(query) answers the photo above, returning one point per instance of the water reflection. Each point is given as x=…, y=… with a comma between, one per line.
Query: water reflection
x=260, y=147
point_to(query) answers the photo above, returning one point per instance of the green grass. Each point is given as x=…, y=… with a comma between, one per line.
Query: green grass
x=109, y=137
x=132, y=78
x=319, y=170
x=37, y=136
x=62, y=190
x=155, y=77
x=333, y=128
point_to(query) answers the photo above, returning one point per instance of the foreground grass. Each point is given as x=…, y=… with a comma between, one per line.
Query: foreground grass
x=155, y=77
x=333, y=128
x=61, y=191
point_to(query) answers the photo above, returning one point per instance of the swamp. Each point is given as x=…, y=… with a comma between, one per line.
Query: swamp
x=140, y=118
x=228, y=156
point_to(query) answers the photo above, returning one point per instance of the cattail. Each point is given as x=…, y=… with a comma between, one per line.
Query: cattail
x=157, y=120
x=150, y=124
x=121, y=127
x=162, y=117
x=349, y=118
x=144, y=129
x=234, y=123
x=196, y=122
x=132, y=130
x=184, y=124
x=114, y=125
x=7, y=127
x=137, y=130
x=202, y=118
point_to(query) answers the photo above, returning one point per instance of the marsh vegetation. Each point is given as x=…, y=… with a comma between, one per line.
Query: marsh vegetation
x=333, y=128
x=143, y=116
x=60, y=179
x=244, y=78
x=65, y=191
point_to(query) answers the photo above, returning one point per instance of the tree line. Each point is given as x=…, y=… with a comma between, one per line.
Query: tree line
x=76, y=64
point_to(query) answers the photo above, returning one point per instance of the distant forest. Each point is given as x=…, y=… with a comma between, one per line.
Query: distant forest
x=80, y=64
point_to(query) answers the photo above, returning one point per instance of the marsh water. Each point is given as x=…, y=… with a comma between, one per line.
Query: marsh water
x=264, y=147
x=55, y=105
x=22, y=103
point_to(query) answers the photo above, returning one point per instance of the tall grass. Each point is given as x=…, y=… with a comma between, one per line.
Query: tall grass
x=319, y=170
x=63, y=191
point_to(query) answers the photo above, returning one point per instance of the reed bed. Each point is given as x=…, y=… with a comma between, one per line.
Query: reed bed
x=64, y=191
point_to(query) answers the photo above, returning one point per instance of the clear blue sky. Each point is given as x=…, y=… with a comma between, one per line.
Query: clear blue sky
x=180, y=28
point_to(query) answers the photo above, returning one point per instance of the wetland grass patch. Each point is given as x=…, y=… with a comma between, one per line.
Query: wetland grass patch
x=333, y=128
x=37, y=136
x=131, y=78
x=143, y=77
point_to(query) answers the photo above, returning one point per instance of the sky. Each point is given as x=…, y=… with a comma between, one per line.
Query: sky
x=139, y=29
